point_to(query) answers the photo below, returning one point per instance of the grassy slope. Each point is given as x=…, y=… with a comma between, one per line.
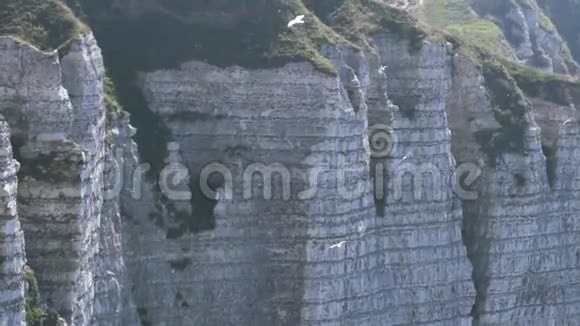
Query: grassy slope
x=256, y=36
x=507, y=82
x=547, y=24
x=456, y=18
x=356, y=19
x=48, y=24
x=564, y=14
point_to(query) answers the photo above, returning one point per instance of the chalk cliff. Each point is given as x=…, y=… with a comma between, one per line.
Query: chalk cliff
x=531, y=34
x=378, y=175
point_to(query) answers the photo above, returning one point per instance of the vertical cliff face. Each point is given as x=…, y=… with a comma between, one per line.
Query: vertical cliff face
x=12, y=256
x=113, y=303
x=422, y=214
x=304, y=121
x=287, y=121
x=55, y=109
x=562, y=14
x=519, y=230
x=531, y=34
x=406, y=181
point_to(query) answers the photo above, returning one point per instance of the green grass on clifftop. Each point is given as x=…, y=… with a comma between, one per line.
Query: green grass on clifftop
x=356, y=19
x=47, y=24
x=252, y=34
x=455, y=17
x=557, y=89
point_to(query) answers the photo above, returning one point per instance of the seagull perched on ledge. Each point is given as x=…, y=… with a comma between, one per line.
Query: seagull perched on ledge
x=338, y=245
x=298, y=20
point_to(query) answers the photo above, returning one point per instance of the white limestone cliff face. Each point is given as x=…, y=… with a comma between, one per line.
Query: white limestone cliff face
x=531, y=34
x=113, y=303
x=520, y=231
x=268, y=261
x=55, y=110
x=422, y=214
x=12, y=256
x=260, y=261
x=110, y=247
x=563, y=13
x=290, y=239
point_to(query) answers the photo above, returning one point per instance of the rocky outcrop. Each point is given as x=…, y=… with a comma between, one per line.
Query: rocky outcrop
x=531, y=34
x=519, y=230
x=420, y=202
x=288, y=121
x=309, y=123
x=288, y=195
x=113, y=303
x=12, y=256
x=55, y=109
x=562, y=14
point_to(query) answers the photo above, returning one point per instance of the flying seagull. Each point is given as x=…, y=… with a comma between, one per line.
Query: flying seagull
x=338, y=245
x=408, y=155
x=382, y=69
x=298, y=20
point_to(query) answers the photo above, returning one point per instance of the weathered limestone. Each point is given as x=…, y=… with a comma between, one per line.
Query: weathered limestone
x=55, y=108
x=306, y=121
x=520, y=231
x=31, y=83
x=12, y=256
x=294, y=116
x=113, y=301
x=563, y=14
x=533, y=38
x=111, y=247
x=421, y=230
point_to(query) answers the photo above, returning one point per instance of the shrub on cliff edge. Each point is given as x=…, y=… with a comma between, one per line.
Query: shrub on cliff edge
x=47, y=24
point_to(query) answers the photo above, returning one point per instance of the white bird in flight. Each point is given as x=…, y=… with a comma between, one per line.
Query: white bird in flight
x=408, y=155
x=298, y=20
x=382, y=69
x=338, y=245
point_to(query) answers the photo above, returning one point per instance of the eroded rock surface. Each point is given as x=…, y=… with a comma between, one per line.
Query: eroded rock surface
x=355, y=230
x=12, y=256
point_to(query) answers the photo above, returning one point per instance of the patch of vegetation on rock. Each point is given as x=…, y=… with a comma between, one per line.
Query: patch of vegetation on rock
x=357, y=19
x=550, y=87
x=564, y=15
x=455, y=17
x=62, y=165
x=46, y=24
x=510, y=109
x=34, y=313
x=111, y=96
x=252, y=34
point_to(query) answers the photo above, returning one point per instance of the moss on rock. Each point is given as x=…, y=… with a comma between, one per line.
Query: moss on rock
x=510, y=109
x=357, y=19
x=550, y=87
x=62, y=165
x=34, y=313
x=252, y=34
x=47, y=24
